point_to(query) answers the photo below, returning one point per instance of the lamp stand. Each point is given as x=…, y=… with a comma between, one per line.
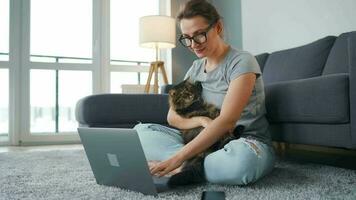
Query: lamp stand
x=155, y=66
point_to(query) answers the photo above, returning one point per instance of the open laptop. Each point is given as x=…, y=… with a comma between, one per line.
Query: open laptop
x=117, y=159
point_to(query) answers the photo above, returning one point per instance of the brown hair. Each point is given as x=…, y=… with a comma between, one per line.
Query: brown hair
x=202, y=8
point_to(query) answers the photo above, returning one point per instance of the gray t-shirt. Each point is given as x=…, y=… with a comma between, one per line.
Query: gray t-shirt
x=216, y=82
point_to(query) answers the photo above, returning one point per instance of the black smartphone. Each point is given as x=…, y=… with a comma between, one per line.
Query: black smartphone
x=213, y=195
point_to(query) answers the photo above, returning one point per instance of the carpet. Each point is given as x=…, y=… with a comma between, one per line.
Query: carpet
x=66, y=174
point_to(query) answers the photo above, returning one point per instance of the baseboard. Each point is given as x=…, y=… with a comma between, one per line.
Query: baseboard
x=317, y=149
x=337, y=157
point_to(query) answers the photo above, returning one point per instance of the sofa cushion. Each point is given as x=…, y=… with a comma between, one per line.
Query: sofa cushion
x=323, y=99
x=338, y=60
x=298, y=63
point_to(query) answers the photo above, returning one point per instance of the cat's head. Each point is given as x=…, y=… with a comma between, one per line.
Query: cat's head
x=184, y=94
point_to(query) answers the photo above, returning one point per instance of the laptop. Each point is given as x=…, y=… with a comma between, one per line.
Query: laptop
x=117, y=159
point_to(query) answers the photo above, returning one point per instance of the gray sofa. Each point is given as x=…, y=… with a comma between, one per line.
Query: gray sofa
x=310, y=96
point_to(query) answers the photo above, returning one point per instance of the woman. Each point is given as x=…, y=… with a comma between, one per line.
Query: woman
x=232, y=81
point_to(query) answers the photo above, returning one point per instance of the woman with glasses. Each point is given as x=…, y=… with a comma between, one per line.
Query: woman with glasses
x=232, y=81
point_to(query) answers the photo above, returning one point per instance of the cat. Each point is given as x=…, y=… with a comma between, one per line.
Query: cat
x=186, y=100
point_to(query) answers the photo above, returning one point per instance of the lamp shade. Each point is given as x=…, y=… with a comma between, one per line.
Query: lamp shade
x=157, y=31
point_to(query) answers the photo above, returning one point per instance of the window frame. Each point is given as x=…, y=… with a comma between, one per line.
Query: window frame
x=24, y=135
x=19, y=66
x=165, y=54
x=7, y=65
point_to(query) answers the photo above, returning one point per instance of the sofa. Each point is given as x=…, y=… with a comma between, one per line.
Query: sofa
x=310, y=96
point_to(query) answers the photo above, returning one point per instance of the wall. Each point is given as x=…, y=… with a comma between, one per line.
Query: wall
x=230, y=10
x=273, y=25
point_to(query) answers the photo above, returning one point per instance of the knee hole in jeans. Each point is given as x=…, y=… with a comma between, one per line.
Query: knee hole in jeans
x=253, y=147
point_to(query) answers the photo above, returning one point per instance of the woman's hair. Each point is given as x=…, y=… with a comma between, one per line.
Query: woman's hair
x=202, y=8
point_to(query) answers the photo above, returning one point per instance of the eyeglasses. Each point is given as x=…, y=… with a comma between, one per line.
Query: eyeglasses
x=199, y=38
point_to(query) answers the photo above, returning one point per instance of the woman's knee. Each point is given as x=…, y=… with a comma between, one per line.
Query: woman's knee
x=235, y=164
x=230, y=172
x=158, y=143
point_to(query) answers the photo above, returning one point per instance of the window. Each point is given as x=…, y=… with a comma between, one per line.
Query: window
x=61, y=31
x=43, y=100
x=61, y=52
x=4, y=70
x=118, y=79
x=70, y=90
x=4, y=30
x=124, y=24
x=124, y=42
x=4, y=104
x=54, y=94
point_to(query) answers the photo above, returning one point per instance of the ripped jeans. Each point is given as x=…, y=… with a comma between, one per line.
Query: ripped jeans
x=240, y=162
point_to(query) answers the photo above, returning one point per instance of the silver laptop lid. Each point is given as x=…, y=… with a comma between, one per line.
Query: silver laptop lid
x=117, y=158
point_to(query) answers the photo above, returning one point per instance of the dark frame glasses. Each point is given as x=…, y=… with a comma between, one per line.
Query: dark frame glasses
x=199, y=38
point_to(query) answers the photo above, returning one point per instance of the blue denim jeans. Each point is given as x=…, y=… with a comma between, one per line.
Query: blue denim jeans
x=240, y=162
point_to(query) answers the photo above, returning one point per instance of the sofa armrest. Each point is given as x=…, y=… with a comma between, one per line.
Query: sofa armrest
x=121, y=110
x=322, y=100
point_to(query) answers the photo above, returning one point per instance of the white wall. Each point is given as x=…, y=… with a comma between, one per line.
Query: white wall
x=273, y=25
x=230, y=10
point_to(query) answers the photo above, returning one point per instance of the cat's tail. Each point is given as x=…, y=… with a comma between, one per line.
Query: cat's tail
x=238, y=131
x=191, y=174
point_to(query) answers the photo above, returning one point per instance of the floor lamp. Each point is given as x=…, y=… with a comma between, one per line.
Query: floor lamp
x=157, y=32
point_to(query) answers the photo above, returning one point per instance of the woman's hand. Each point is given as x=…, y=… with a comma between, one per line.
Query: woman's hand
x=167, y=166
x=204, y=121
x=180, y=122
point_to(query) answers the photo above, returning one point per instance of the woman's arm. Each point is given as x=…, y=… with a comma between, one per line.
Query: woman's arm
x=186, y=123
x=238, y=94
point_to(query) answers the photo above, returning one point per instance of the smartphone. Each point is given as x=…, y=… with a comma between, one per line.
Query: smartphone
x=213, y=195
